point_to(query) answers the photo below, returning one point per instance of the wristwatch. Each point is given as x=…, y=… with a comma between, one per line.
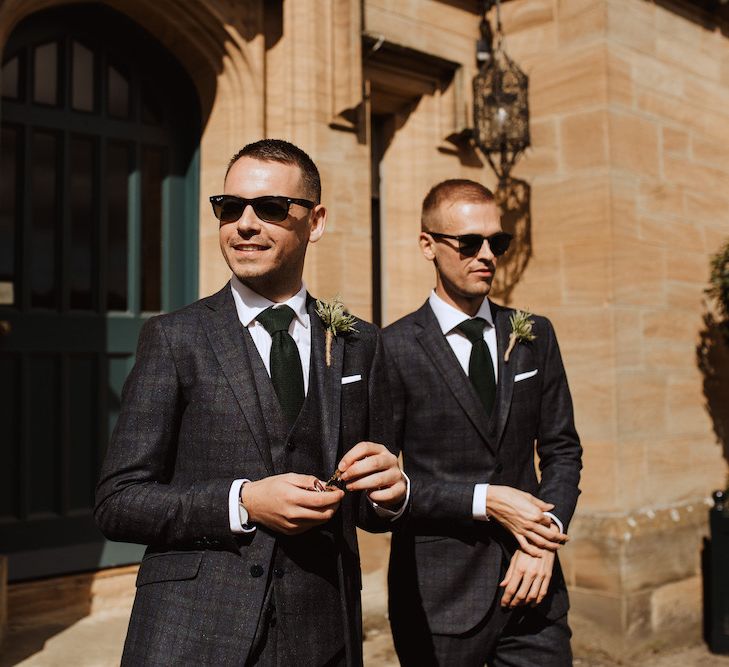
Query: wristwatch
x=242, y=511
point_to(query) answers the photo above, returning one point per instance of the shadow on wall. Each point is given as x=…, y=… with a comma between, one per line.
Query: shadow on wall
x=712, y=354
x=514, y=198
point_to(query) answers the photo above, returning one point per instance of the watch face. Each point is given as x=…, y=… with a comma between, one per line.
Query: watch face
x=243, y=514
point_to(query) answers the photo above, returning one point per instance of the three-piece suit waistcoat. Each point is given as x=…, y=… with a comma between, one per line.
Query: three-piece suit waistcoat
x=306, y=588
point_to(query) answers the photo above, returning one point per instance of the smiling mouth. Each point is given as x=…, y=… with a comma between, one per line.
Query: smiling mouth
x=249, y=247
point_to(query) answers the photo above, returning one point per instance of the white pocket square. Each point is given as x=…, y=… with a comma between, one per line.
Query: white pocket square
x=523, y=376
x=348, y=379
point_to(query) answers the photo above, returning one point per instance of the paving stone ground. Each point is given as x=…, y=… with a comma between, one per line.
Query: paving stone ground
x=96, y=641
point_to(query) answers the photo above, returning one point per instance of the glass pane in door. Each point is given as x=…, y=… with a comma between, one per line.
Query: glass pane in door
x=118, y=96
x=83, y=223
x=11, y=79
x=45, y=74
x=82, y=79
x=153, y=174
x=10, y=142
x=44, y=212
x=116, y=178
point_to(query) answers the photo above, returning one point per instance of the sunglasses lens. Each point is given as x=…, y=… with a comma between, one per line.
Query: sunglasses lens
x=499, y=243
x=271, y=209
x=470, y=244
x=229, y=211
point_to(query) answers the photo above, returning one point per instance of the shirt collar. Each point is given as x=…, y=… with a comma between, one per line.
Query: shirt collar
x=450, y=317
x=250, y=304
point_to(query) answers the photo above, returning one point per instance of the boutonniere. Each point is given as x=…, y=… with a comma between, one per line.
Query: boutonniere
x=335, y=320
x=521, y=331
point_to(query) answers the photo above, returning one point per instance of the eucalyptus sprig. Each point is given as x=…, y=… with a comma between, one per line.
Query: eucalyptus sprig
x=521, y=331
x=336, y=321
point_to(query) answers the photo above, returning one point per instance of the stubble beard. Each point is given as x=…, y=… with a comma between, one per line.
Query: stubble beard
x=272, y=283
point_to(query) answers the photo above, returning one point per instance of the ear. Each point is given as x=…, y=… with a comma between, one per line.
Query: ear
x=318, y=223
x=426, y=246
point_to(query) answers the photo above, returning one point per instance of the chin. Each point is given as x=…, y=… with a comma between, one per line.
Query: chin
x=250, y=267
x=247, y=273
x=477, y=290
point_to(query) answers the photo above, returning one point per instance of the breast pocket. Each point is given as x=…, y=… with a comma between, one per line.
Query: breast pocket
x=355, y=410
x=526, y=383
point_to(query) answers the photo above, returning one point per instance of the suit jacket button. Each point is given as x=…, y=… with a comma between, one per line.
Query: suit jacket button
x=256, y=570
x=278, y=572
x=499, y=467
x=290, y=446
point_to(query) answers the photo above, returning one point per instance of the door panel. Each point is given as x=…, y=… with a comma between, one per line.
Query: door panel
x=98, y=138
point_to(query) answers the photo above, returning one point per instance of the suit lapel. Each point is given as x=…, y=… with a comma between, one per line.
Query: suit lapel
x=329, y=385
x=223, y=329
x=506, y=370
x=437, y=348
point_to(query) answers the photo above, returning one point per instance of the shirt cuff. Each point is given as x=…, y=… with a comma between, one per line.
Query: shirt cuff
x=233, y=514
x=480, y=495
x=385, y=513
x=556, y=520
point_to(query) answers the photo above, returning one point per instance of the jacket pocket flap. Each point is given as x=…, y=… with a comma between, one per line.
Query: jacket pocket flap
x=176, y=566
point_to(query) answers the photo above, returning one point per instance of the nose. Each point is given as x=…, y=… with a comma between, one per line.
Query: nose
x=248, y=223
x=485, y=252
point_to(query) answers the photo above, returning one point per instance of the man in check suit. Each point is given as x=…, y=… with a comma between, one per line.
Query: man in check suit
x=473, y=575
x=230, y=419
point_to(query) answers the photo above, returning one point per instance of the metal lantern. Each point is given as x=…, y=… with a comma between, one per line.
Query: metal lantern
x=500, y=101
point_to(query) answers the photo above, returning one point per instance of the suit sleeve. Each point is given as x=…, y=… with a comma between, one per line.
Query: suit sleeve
x=558, y=444
x=135, y=498
x=380, y=430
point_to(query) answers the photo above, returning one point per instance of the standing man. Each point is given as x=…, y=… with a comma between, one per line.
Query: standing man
x=236, y=408
x=473, y=575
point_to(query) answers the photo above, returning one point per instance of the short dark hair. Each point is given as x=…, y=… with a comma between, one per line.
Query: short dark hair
x=453, y=189
x=278, y=150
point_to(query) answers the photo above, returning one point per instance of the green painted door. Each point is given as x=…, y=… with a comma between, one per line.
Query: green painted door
x=98, y=231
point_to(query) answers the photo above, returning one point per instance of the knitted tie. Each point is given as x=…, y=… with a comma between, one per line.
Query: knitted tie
x=286, y=374
x=480, y=366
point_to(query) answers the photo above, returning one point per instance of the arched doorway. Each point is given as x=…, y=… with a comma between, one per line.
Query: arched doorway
x=98, y=231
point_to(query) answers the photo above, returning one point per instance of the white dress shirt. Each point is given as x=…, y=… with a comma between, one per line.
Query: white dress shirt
x=250, y=305
x=449, y=317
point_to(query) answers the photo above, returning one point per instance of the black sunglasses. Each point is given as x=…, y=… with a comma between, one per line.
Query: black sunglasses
x=470, y=244
x=271, y=208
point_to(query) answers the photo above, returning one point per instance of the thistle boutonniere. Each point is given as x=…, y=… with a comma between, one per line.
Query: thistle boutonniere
x=335, y=320
x=521, y=331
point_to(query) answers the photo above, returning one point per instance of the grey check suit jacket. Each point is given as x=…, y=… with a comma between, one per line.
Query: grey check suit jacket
x=445, y=566
x=191, y=422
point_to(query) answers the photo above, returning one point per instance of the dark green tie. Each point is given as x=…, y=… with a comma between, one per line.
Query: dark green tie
x=480, y=366
x=286, y=374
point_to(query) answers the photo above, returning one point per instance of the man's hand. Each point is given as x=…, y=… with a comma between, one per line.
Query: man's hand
x=288, y=503
x=373, y=468
x=527, y=579
x=523, y=516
